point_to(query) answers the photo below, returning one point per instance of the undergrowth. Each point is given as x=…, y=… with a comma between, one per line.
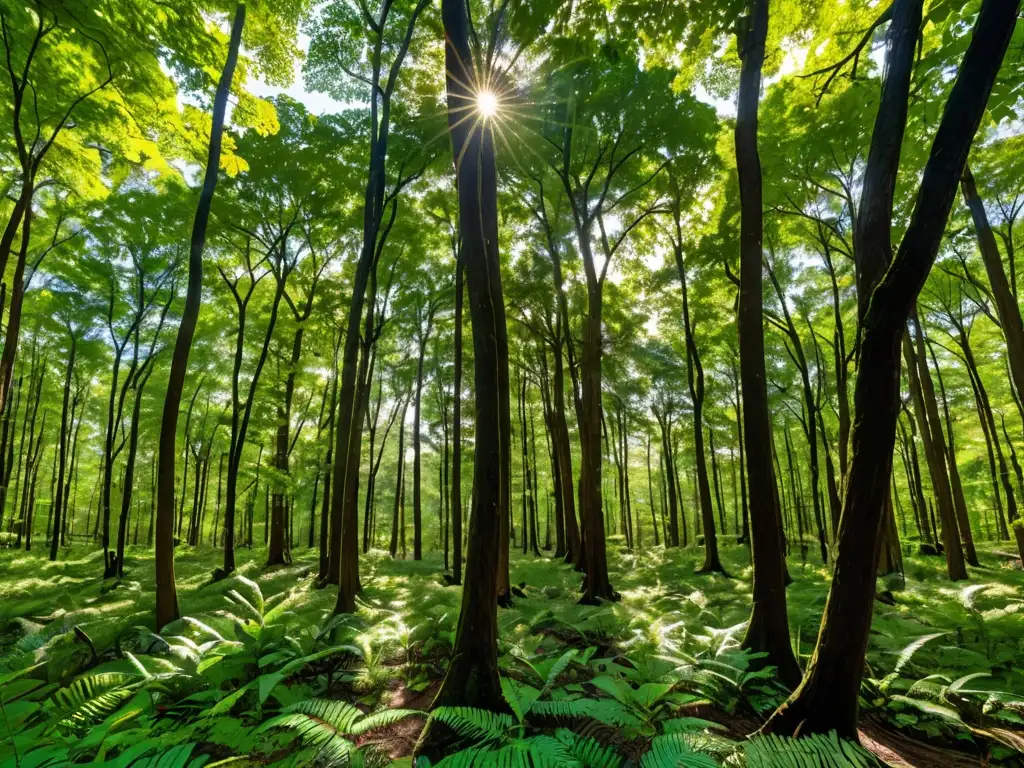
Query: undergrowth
x=258, y=673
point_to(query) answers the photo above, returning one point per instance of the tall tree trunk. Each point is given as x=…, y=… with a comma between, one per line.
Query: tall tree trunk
x=460, y=273
x=827, y=699
x=1003, y=296
x=768, y=630
x=472, y=677
x=166, y=592
x=396, y=518
x=62, y=449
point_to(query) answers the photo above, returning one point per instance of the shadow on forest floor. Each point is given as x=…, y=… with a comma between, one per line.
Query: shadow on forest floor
x=407, y=616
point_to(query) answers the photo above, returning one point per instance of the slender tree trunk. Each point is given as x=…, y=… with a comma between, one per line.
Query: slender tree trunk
x=650, y=493
x=1007, y=309
x=768, y=630
x=62, y=449
x=166, y=592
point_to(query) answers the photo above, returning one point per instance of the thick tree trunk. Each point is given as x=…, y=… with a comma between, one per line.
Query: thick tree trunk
x=827, y=698
x=472, y=677
x=166, y=593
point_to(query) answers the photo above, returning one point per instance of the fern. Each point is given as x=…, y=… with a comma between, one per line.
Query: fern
x=825, y=751
x=606, y=711
x=674, y=750
x=327, y=725
x=474, y=724
x=589, y=752
x=90, y=699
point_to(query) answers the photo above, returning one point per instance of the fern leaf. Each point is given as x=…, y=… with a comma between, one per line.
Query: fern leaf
x=688, y=725
x=672, y=750
x=381, y=719
x=474, y=724
x=92, y=698
x=589, y=752
x=606, y=711
x=558, y=668
x=907, y=653
x=827, y=751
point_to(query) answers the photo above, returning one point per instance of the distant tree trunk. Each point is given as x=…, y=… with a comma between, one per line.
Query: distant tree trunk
x=669, y=475
x=650, y=493
x=325, y=509
x=1002, y=294
x=827, y=699
x=417, y=502
x=956, y=485
x=129, y=472
x=460, y=273
x=930, y=427
x=397, y=518
x=716, y=477
x=29, y=513
x=216, y=513
x=768, y=630
x=738, y=407
x=999, y=472
x=472, y=677
x=166, y=593
x=62, y=447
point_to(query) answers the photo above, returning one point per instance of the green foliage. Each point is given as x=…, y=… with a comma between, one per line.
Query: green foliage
x=769, y=751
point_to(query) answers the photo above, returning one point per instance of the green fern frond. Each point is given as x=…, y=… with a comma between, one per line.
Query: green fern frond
x=826, y=751
x=89, y=699
x=339, y=716
x=175, y=757
x=908, y=653
x=589, y=752
x=935, y=710
x=674, y=750
x=558, y=668
x=474, y=724
x=381, y=719
x=688, y=725
x=320, y=723
x=606, y=711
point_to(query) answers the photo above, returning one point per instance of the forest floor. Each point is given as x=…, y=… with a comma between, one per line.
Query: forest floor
x=935, y=633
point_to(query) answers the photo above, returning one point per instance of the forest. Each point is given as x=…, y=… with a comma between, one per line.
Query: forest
x=589, y=383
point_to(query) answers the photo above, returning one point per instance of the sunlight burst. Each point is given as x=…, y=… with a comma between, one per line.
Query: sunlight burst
x=487, y=103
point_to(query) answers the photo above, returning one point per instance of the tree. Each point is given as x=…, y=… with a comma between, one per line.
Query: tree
x=166, y=593
x=827, y=697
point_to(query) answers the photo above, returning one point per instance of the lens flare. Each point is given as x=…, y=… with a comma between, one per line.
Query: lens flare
x=487, y=103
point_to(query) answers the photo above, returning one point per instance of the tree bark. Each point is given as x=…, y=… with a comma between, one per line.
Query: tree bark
x=768, y=630
x=166, y=592
x=827, y=699
x=472, y=677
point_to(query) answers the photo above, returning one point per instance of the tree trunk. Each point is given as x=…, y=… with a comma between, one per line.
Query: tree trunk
x=1006, y=303
x=768, y=631
x=472, y=677
x=827, y=699
x=166, y=593
x=62, y=449
x=460, y=273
